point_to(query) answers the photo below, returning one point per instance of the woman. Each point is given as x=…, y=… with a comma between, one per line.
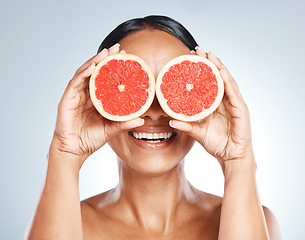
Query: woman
x=153, y=199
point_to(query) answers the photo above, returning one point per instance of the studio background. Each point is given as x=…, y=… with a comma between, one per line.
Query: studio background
x=260, y=42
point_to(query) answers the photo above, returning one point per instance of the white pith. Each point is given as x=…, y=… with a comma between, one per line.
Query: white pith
x=189, y=86
x=151, y=90
x=121, y=87
x=152, y=136
x=205, y=112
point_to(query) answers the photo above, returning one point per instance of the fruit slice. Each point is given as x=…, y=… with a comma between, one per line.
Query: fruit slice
x=189, y=88
x=122, y=87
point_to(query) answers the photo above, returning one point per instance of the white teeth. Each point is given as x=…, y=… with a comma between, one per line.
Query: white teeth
x=156, y=137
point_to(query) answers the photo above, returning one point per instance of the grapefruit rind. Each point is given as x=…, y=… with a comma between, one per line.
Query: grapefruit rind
x=205, y=112
x=98, y=104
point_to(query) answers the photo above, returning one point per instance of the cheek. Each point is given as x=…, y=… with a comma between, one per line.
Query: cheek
x=184, y=145
x=119, y=145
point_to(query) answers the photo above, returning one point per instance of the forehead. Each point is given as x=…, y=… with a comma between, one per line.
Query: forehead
x=155, y=47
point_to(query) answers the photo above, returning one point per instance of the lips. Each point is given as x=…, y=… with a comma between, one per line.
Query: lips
x=152, y=138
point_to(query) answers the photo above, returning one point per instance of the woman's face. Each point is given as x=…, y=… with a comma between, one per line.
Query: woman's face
x=150, y=156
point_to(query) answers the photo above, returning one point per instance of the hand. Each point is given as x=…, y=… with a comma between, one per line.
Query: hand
x=80, y=130
x=226, y=133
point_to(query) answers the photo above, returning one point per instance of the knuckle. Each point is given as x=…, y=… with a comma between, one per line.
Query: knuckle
x=246, y=108
x=79, y=70
x=83, y=74
x=60, y=106
x=70, y=83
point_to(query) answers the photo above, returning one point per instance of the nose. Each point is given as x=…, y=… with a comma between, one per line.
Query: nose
x=155, y=112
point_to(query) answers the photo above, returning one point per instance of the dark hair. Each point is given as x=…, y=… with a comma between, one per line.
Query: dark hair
x=154, y=22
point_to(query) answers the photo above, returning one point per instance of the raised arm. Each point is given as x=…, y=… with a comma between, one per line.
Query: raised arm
x=79, y=131
x=226, y=135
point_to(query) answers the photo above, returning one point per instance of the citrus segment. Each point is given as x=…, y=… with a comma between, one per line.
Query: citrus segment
x=122, y=87
x=189, y=88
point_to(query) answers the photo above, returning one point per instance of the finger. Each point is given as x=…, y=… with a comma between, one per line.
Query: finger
x=229, y=80
x=99, y=57
x=83, y=73
x=231, y=90
x=235, y=103
x=192, y=128
x=200, y=52
x=132, y=123
x=232, y=85
x=225, y=72
x=82, y=76
x=211, y=56
x=226, y=76
x=115, y=128
x=78, y=83
x=114, y=49
x=96, y=59
x=217, y=62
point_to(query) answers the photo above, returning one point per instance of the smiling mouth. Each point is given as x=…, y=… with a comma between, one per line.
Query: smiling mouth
x=152, y=137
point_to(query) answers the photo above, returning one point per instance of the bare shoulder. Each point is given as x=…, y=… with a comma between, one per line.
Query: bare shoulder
x=272, y=224
x=207, y=201
x=94, y=202
x=94, y=216
x=213, y=204
x=207, y=205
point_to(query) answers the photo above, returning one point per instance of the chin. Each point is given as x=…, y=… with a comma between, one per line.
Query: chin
x=150, y=165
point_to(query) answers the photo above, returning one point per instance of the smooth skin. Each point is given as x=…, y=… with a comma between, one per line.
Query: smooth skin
x=153, y=199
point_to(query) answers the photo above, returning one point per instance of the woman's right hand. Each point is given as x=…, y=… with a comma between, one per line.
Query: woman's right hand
x=80, y=130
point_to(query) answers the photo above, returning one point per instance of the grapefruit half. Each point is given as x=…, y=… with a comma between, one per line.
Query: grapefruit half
x=189, y=88
x=122, y=87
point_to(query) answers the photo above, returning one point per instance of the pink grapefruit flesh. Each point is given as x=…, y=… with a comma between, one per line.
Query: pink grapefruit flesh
x=122, y=87
x=189, y=88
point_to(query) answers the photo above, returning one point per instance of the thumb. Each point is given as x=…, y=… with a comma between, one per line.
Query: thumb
x=115, y=128
x=194, y=129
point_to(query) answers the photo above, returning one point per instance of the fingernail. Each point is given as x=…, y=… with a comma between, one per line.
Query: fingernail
x=104, y=50
x=140, y=121
x=212, y=53
x=171, y=124
x=136, y=122
x=116, y=45
x=199, y=50
x=192, y=52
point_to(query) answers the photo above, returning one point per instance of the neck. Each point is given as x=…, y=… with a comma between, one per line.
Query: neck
x=152, y=201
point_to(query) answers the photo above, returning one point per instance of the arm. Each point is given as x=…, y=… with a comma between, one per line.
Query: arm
x=58, y=212
x=242, y=214
x=226, y=135
x=80, y=130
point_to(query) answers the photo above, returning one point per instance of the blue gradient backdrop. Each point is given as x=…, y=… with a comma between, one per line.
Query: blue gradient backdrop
x=44, y=42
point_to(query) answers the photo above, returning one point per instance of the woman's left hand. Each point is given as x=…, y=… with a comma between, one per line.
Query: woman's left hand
x=226, y=133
